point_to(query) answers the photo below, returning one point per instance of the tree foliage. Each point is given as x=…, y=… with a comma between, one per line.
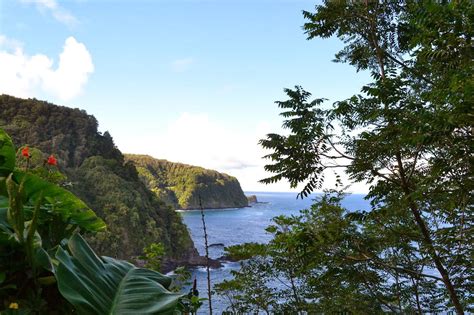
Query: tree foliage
x=408, y=137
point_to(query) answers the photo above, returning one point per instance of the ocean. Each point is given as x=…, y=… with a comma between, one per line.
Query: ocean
x=237, y=226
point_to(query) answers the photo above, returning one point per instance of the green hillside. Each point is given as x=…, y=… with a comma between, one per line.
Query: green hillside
x=97, y=172
x=181, y=185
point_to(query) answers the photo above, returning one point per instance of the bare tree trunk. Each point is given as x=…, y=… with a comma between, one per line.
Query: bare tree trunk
x=428, y=242
x=209, y=294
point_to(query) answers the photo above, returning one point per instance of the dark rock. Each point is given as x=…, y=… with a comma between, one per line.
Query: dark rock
x=195, y=261
x=252, y=199
x=217, y=245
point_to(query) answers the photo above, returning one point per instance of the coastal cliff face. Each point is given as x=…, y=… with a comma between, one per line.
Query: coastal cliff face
x=98, y=173
x=181, y=185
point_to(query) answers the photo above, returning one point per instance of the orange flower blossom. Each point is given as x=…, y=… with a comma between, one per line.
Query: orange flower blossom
x=26, y=152
x=52, y=160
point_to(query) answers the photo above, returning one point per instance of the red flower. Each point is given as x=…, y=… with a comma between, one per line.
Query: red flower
x=26, y=152
x=52, y=160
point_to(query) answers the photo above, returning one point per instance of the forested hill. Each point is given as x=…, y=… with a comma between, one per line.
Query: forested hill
x=181, y=185
x=100, y=176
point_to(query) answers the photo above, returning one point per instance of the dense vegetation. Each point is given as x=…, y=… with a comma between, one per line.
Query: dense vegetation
x=97, y=172
x=407, y=136
x=182, y=185
x=46, y=267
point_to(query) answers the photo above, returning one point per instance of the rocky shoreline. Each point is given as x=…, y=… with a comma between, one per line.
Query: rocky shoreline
x=196, y=260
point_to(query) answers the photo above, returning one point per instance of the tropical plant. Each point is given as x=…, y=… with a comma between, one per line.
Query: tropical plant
x=35, y=216
x=103, y=285
x=47, y=267
x=191, y=302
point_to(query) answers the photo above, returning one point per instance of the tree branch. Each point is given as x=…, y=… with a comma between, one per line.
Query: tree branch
x=398, y=268
x=342, y=154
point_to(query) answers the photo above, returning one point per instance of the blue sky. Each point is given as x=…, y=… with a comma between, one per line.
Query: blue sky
x=189, y=81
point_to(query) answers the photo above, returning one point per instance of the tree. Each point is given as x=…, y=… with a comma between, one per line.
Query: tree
x=408, y=135
x=305, y=268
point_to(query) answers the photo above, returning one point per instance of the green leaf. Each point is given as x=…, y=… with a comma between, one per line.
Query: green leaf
x=43, y=259
x=103, y=285
x=6, y=232
x=271, y=229
x=65, y=203
x=7, y=154
x=3, y=211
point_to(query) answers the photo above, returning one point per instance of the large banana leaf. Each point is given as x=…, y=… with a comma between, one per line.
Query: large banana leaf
x=7, y=154
x=103, y=285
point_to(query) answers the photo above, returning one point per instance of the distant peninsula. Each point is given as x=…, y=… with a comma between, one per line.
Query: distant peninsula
x=181, y=185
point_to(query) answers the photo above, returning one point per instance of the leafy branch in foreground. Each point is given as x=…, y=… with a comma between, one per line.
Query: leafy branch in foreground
x=407, y=136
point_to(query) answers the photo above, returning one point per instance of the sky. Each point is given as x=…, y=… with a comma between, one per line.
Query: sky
x=191, y=81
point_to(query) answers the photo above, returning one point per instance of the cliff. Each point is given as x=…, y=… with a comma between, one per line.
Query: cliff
x=181, y=185
x=98, y=174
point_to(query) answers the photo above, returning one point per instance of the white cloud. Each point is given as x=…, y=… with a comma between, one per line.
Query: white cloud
x=181, y=65
x=58, y=12
x=9, y=43
x=24, y=76
x=75, y=66
x=201, y=141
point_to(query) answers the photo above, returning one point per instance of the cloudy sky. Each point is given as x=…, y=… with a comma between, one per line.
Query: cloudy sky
x=189, y=81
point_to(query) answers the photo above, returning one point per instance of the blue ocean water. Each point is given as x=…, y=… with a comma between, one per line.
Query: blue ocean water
x=237, y=226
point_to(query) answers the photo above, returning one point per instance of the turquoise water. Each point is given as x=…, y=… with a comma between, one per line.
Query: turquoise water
x=237, y=226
